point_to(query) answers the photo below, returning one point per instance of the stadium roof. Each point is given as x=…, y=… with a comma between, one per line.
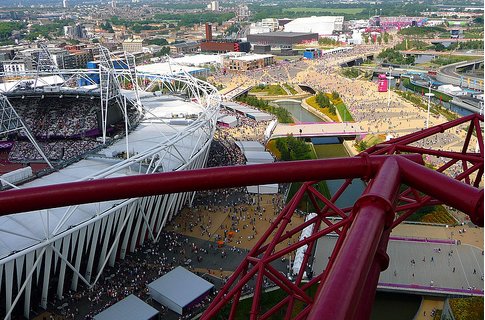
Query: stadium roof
x=130, y=308
x=28, y=229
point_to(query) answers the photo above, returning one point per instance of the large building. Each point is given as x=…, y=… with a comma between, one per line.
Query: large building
x=282, y=40
x=222, y=46
x=133, y=45
x=184, y=47
x=243, y=62
x=397, y=22
x=324, y=25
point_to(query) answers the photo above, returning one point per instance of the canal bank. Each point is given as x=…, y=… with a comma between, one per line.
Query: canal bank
x=386, y=303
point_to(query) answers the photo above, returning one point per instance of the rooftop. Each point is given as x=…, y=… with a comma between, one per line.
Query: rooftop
x=279, y=34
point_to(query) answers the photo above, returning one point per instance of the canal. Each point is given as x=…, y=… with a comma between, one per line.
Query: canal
x=396, y=306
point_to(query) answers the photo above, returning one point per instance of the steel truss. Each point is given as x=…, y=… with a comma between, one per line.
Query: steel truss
x=120, y=226
x=397, y=184
x=10, y=121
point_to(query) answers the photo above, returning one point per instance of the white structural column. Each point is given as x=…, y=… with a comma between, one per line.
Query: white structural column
x=29, y=264
x=62, y=270
x=79, y=255
x=47, y=274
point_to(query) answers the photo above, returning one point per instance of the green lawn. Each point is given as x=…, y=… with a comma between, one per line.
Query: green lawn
x=344, y=112
x=325, y=151
x=290, y=88
x=331, y=10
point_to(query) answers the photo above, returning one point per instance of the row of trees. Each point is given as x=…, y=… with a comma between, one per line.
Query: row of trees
x=283, y=115
x=7, y=28
x=423, y=32
x=386, y=37
x=391, y=55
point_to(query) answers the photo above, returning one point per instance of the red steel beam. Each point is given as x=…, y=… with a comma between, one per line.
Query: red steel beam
x=450, y=191
x=339, y=296
x=59, y=195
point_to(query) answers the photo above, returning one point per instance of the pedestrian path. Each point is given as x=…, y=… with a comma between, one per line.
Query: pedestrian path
x=423, y=267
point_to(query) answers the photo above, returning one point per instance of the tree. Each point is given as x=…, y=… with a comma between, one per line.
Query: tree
x=386, y=37
x=478, y=20
x=379, y=40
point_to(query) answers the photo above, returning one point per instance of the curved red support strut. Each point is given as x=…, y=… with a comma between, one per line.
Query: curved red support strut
x=363, y=229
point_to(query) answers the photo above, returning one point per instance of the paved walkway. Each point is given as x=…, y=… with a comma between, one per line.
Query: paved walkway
x=422, y=267
x=319, y=129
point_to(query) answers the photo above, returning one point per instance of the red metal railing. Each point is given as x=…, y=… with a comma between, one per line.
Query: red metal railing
x=397, y=185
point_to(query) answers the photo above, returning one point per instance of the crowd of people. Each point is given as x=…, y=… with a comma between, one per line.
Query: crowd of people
x=53, y=150
x=133, y=274
x=56, y=117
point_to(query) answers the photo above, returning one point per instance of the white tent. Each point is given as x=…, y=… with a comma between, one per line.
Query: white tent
x=130, y=308
x=179, y=289
x=228, y=121
x=249, y=146
x=263, y=189
x=258, y=156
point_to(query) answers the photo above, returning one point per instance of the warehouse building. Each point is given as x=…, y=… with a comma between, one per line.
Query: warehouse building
x=222, y=46
x=282, y=40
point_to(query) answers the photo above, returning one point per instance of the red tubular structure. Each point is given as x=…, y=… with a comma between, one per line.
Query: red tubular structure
x=59, y=195
x=373, y=209
x=397, y=185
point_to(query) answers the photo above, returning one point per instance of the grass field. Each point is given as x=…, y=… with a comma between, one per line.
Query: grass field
x=325, y=151
x=344, y=112
x=331, y=10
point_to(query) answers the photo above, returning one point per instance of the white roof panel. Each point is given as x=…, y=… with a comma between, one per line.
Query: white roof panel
x=130, y=308
x=181, y=286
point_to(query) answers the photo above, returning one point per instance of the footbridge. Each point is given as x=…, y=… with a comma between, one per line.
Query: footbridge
x=346, y=130
x=232, y=93
x=357, y=60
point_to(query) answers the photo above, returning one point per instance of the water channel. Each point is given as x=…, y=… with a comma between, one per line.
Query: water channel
x=396, y=306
